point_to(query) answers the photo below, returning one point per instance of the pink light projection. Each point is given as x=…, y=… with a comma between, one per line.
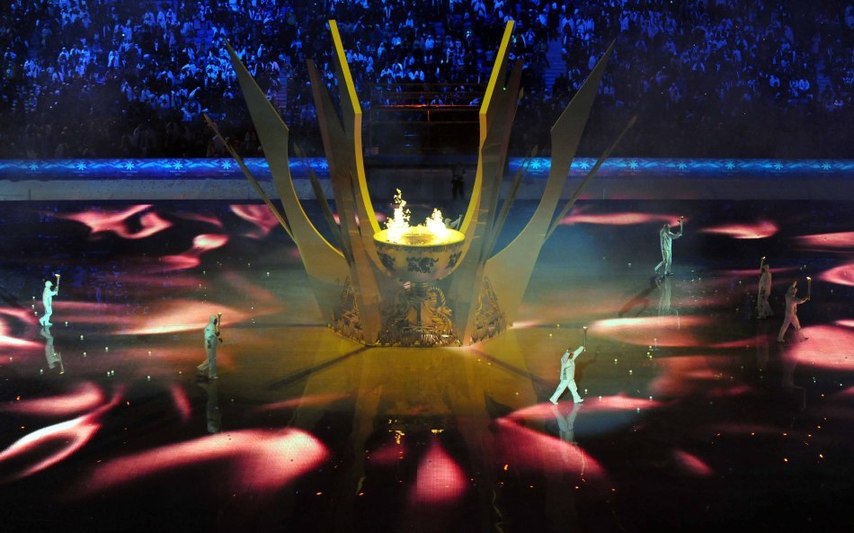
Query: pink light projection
x=845, y=323
x=192, y=257
x=181, y=315
x=754, y=272
x=725, y=390
x=207, y=219
x=827, y=346
x=252, y=460
x=387, y=454
x=588, y=302
x=77, y=312
x=439, y=481
x=8, y=341
x=116, y=222
x=669, y=330
x=827, y=242
x=581, y=216
x=619, y=402
x=182, y=403
x=84, y=397
x=759, y=230
x=681, y=376
x=67, y=436
x=24, y=315
x=51, y=445
x=841, y=275
x=155, y=283
x=302, y=401
x=741, y=343
x=527, y=450
x=692, y=464
x=258, y=214
x=259, y=295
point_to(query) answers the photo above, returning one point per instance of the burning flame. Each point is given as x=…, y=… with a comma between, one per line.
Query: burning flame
x=398, y=230
x=398, y=224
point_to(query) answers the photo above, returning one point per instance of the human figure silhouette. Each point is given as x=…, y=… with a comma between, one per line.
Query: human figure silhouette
x=207, y=369
x=791, y=316
x=567, y=376
x=666, y=238
x=47, y=300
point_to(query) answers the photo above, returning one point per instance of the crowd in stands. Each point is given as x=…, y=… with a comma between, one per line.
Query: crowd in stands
x=707, y=78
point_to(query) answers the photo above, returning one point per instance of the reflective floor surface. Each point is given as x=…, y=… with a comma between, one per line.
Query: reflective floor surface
x=694, y=417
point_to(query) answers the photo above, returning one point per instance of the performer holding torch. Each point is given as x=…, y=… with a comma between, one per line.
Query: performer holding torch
x=567, y=373
x=666, y=238
x=212, y=337
x=792, y=303
x=47, y=299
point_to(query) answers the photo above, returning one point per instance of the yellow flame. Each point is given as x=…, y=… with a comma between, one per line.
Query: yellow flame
x=436, y=225
x=398, y=224
x=400, y=232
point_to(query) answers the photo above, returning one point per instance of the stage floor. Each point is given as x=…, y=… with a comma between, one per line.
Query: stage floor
x=694, y=417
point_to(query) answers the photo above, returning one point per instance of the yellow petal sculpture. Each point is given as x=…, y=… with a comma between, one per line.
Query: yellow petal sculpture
x=418, y=291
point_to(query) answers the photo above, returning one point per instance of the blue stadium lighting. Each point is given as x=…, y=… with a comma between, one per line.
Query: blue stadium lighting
x=18, y=169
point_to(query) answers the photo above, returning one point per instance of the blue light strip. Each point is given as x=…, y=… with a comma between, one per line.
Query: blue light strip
x=152, y=169
x=624, y=167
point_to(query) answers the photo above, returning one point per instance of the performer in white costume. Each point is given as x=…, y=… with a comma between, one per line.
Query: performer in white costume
x=667, y=237
x=212, y=337
x=763, y=308
x=791, y=317
x=47, y=299
x=567, y=376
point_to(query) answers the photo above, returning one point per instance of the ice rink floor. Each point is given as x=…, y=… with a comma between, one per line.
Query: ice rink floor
x=694, y=418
